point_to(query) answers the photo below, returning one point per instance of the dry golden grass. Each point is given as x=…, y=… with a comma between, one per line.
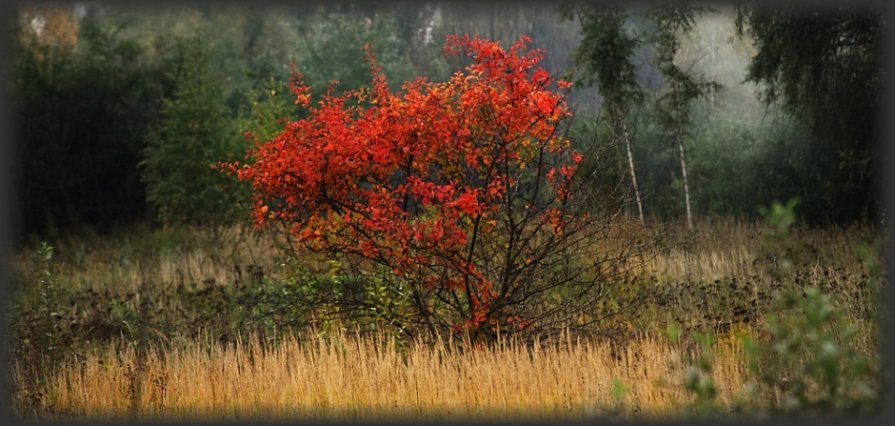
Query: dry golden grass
x=721, y=248
x=169, y=257
x=725, y=248
x=355, y=377
x=366, y=377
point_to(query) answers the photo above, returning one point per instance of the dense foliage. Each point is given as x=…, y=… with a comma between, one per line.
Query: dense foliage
x=194, y=132
x=81, y=115
x=826, y=66
x=102, y=75
x=428, y=182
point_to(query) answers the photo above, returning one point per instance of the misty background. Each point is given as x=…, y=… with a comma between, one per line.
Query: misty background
x=120, y=110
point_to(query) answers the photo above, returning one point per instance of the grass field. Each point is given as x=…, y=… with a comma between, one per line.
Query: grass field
x=348, y=376
x=154, y=324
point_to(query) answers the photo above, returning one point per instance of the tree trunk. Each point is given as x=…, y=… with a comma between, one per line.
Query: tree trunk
x=680, y=145
x=627, y=139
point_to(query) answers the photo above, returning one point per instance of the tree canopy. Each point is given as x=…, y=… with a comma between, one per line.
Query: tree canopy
x=826, y=66
x=96, y=91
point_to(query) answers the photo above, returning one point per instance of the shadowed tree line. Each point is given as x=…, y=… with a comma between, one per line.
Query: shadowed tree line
x=120, y=112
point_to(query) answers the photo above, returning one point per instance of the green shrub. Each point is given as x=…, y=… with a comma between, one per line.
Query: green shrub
x=698, y=377
x=196, y=131
x=809, y=365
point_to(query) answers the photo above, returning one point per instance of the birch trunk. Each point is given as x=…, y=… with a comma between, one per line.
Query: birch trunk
x=627, y=140
x=680, y=145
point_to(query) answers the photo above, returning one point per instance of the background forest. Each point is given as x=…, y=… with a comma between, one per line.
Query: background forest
x=791, y=110
x=729, y=157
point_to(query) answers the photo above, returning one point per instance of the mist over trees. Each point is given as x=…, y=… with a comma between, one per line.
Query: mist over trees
x=121, y=110
x=825, y=68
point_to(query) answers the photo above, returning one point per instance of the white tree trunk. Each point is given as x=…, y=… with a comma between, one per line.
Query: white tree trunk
x=627, y=140
x=680, y=145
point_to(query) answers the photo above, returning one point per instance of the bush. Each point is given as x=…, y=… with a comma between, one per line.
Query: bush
x=194, y=134
x=80, y=117
x=463, y=190
x=809, y=366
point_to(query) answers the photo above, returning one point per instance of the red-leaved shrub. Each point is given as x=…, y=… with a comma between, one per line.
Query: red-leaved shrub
x=460, y=188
